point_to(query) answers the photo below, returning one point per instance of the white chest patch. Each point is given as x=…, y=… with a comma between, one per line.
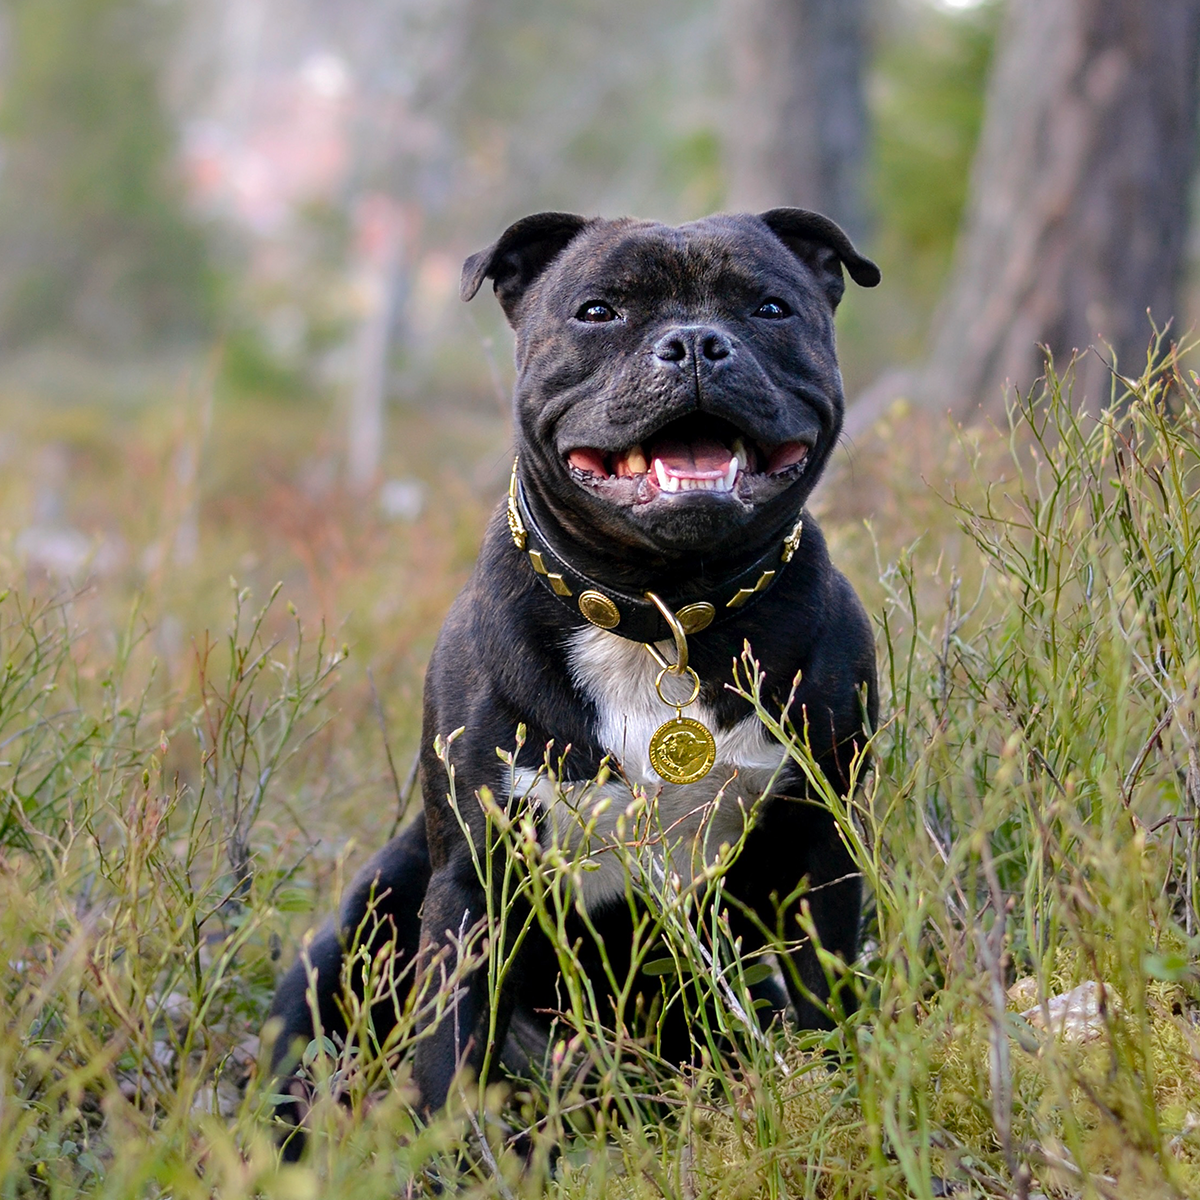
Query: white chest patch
x=618, y=676
x=636, y=820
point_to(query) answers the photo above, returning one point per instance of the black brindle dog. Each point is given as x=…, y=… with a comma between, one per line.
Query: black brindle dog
x=677, y=398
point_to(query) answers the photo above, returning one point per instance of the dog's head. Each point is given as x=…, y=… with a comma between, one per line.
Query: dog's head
x=677, y=389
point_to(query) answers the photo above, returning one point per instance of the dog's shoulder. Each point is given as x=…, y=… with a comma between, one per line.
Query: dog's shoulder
x=500, y=661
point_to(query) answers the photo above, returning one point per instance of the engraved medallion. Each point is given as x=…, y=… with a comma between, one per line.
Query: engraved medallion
x=599, y=609
x=682, y=750
x=695, y=617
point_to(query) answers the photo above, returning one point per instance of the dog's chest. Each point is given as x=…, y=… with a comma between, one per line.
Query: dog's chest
x=682, y=826
x=618, y=676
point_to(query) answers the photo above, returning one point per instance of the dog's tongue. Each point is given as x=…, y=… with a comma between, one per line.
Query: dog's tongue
x=705, y=458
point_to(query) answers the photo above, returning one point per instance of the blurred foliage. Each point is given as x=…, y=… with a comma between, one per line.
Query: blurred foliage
x=484, y=113
x=597, y=108
x=929, y=82
x=250, y=367
x=927, y=92
x=280, y=334
x=94, y=238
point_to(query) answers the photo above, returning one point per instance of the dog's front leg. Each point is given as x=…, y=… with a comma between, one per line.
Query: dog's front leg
x=795, y=860
x=454, y=951
x=834, y=901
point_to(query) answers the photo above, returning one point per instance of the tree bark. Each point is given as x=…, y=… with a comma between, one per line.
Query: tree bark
x=798, y=130
x=1077, y=215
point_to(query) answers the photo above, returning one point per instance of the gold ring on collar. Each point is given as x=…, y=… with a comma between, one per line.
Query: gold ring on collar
x=677, y=631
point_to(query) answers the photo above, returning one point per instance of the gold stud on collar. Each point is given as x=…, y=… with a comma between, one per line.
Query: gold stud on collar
x=516, y=526
x=599, y=609
x=791, y=543
x=744, y=594
x=557, y=582
x=695, y=617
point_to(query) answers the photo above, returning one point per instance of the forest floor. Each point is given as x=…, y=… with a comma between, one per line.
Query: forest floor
x=193, y=760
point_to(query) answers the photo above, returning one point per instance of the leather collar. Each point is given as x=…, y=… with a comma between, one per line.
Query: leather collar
x=701, y=603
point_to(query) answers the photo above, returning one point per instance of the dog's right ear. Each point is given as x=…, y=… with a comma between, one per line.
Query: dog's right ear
x=520, y=254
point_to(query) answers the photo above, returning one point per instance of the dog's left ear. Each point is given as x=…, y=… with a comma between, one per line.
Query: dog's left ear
x=520, y=254
x=823, y=247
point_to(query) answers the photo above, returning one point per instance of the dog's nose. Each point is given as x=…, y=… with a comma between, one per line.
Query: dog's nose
x=693, y=342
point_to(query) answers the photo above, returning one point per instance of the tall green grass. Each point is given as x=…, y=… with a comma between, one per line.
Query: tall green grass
x=1026, y=823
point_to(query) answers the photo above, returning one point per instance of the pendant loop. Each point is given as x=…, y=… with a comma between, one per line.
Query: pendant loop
x=678, y=705
x=682, y=750
x=677, y=631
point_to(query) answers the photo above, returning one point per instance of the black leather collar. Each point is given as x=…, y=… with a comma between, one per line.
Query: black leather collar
x=701, y=603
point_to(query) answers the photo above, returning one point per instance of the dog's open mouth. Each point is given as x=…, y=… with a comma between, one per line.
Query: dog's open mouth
x=692, y=454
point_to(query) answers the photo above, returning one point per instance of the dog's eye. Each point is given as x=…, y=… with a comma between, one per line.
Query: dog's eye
x=596, y=310
x=773, y=310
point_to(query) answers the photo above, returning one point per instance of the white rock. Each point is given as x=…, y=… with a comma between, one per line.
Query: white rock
x=1075, y=1016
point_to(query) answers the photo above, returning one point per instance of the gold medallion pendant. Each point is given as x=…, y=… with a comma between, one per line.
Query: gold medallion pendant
x=682, y=750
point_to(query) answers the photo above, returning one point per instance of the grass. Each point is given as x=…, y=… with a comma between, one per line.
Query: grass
x=176, y=808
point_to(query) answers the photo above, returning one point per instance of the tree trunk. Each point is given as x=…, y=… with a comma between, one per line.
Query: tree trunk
x=1077, y=216
x=798, y=132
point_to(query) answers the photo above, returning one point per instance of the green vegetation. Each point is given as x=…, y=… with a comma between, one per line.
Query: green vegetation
x=929, y=84
x=174, y=813
x=96, y=241
x=927, y=92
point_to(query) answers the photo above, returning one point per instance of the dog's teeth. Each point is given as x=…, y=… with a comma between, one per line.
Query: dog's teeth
x=635, y=460
x=685, y=483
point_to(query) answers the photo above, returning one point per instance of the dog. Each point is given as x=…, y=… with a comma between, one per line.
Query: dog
x=677, y=398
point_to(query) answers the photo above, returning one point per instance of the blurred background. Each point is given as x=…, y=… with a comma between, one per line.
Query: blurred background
x=231, y=346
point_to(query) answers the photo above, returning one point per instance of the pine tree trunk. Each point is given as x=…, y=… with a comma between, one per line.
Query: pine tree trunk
x=798, y=133
x=1078, y=210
